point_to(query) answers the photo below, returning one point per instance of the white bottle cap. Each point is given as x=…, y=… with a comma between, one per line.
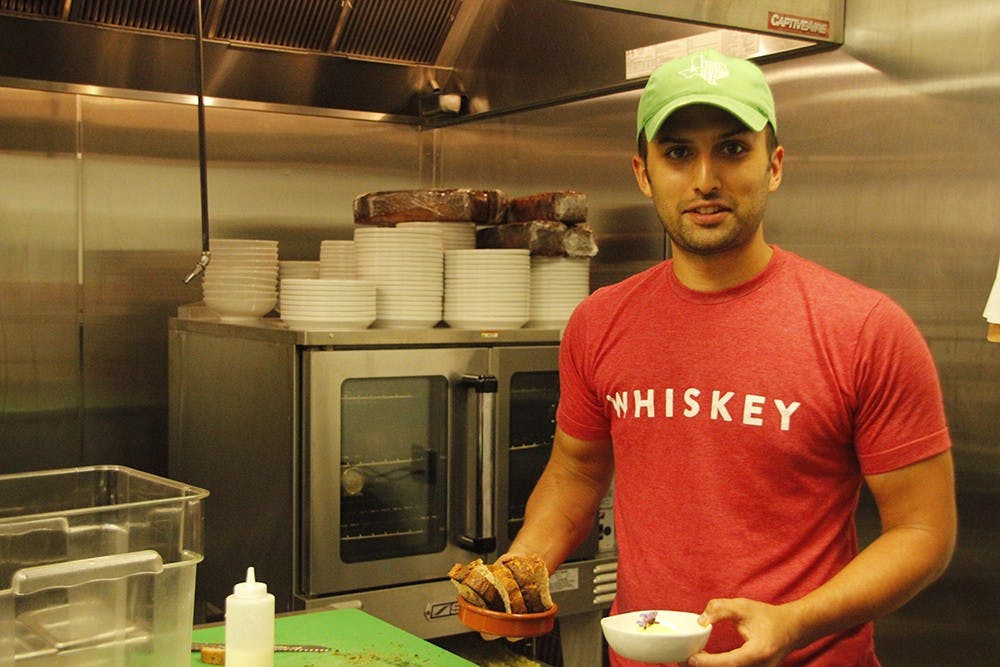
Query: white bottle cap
x=251, y=588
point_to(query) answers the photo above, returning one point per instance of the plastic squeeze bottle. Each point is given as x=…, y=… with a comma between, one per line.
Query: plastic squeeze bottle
x=250, y=624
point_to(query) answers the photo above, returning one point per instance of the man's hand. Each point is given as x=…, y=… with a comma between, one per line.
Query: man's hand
x=767, y=629
x=492, y=638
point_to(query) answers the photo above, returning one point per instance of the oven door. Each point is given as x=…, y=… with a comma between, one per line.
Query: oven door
x=528, y=395
x=379, y=432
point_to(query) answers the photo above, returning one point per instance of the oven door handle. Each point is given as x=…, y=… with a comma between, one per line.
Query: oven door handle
x=483, y=540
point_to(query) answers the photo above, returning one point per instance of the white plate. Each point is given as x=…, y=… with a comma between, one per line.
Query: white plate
x=309, y=283
x=325, y=297
x=322, y=324
x=486, y=295
x=500, y=283
x=223, y=266
x=405, y=323
x=486, y=324
x=241, y=242
x=242, y=284
x=491, y=252
x=353, y=309
x=323, y=314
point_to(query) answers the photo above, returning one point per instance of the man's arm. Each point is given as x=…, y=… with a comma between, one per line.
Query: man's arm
x=561, y=509
x=917, y=509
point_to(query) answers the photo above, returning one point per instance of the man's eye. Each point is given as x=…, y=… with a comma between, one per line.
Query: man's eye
x=677, y=152
x=732, y=148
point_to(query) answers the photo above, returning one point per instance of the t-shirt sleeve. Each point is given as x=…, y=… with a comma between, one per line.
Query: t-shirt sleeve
x=580, y=412
x=900, y=411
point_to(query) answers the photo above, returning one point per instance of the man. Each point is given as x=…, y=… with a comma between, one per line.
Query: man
x=739, y=395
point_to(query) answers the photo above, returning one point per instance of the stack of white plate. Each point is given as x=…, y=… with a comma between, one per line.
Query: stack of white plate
x=338, y=259
x=454, y=235
x=288, y=268
x=487, y=288
x=241, y=279
x=296, y=268
x=558, y=284
x=327, y=303
x=406, y=265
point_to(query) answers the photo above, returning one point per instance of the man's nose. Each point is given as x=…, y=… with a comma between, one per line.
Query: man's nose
x=705, y=177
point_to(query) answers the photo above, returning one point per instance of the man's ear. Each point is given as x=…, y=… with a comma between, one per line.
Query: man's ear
x=641, y=176
x=777, y=162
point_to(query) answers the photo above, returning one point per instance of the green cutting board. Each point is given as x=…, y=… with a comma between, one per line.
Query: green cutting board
x=355, y=638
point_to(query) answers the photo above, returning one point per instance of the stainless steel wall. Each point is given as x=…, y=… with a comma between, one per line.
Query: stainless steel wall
x=100, y=218
x=889, y=179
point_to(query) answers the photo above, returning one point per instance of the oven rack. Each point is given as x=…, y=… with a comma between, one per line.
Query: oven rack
x=393, y=522
x=527, y=446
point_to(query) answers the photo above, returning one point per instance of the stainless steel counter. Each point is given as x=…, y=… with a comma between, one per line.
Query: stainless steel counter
x=197, y=318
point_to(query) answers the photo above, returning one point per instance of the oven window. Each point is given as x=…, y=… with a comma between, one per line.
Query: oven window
x=393, y=467
x=533, y=400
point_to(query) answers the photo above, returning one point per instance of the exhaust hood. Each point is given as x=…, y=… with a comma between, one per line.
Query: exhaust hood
x=426, y=62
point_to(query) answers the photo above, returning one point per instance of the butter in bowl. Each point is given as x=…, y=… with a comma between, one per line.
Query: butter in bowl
x=655, y=635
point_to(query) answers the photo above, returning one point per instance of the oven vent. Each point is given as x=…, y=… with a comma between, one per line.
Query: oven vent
x=397, y=31
x=173, y=16
x=275, y=23
x=52, y=9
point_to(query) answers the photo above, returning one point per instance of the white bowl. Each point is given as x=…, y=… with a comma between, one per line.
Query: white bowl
x=237, y=270
x=235, y=307
x=244, y=249
x=249, y=255
x=239, y=294
x=258, y=285
x=675, y=636
x=243, y=242
x=219, y=264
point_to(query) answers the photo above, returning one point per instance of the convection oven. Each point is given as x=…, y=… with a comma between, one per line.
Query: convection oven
x=414, y=459
x=354, y=468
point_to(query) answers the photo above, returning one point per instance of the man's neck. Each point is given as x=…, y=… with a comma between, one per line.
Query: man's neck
x=712, y=273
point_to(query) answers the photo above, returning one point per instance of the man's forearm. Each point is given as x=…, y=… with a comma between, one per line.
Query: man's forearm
x=556, y=521
x=561, y=509
x=883, y=577
x=915, y=547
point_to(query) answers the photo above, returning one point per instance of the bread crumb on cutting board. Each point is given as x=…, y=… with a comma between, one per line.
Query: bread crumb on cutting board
x=213, y=655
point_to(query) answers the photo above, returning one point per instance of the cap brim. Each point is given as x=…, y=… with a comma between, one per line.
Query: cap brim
x=746, y=114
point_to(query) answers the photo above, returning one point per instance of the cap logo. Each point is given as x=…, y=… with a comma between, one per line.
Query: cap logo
x=709, y=70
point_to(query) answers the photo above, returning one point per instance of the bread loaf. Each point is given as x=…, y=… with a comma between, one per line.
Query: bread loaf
x=477, y=585
x=532, y=577
x=539, y=237
x=488, y=207
x=568, y=206
x=513, y=584
x=544, y=238
x=580, y=241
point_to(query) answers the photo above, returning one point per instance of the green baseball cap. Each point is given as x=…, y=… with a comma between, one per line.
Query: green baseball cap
x=706, y=77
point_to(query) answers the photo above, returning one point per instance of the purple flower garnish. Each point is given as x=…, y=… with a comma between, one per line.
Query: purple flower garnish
x=646, y=619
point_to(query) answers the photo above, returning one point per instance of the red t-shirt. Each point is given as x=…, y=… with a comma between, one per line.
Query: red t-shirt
x=742, y=423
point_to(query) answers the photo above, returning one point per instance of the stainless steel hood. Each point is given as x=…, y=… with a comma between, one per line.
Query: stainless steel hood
x=427, y=62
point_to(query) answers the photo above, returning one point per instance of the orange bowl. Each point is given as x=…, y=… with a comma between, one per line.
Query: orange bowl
x=506, y=625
